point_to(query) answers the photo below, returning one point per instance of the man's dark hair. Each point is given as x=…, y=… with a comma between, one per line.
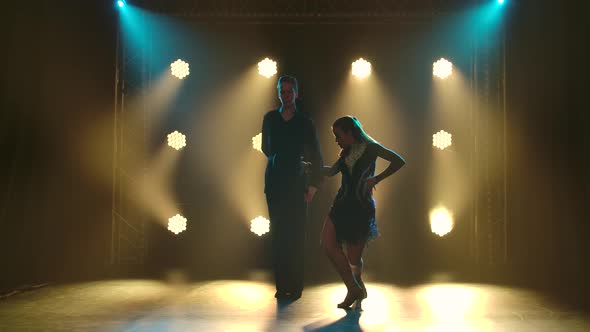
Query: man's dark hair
x=288, y=79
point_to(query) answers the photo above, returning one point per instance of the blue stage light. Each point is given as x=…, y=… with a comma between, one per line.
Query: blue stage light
x=501, y=2
x=121, y=3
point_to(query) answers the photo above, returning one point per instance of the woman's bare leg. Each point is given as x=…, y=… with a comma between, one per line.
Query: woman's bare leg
x=336, y=255
x=355, y=257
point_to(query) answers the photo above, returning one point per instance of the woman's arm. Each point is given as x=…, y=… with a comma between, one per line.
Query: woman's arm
x=331, y=170
x=395, y=161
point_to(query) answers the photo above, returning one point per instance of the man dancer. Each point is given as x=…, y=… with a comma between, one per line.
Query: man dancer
x=289, y=140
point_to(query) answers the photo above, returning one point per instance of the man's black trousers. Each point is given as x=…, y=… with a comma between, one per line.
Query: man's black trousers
x=288, y=215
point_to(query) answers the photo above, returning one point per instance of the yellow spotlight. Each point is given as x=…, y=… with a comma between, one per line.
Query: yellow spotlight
x=176, y=140
x=260, y=225
x=257, y=142
x=441, y=221
x=442, y=68
x=442, y=140
x=177, y=224
x=361, y=68
x=179, y=69
x=267, y=68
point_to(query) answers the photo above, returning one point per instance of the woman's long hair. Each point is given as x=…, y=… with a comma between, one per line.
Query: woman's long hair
x=351, y=124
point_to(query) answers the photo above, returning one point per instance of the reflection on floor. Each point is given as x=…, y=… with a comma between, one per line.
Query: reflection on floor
x=233, y=305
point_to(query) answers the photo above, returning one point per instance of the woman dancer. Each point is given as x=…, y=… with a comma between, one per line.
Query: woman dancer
x=351, y=220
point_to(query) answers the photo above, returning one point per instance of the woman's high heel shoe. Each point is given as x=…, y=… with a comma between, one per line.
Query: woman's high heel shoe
x=357, y=305
x=354, y=296
x=363, y=288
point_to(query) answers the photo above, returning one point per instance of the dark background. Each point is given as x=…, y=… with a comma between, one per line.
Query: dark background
x=58, y=80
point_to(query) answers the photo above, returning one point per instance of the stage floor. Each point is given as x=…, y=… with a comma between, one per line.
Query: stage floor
x=234, y=305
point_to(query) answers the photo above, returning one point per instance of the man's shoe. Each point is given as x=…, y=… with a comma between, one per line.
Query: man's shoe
x=295, y=296
x=282, y=295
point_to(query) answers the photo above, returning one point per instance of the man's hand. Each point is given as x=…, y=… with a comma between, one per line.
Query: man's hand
x=306, y=166
x=309, y=193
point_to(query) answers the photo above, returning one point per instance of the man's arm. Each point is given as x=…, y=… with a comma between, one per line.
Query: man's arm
x=314, y=155
x=265, y=133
